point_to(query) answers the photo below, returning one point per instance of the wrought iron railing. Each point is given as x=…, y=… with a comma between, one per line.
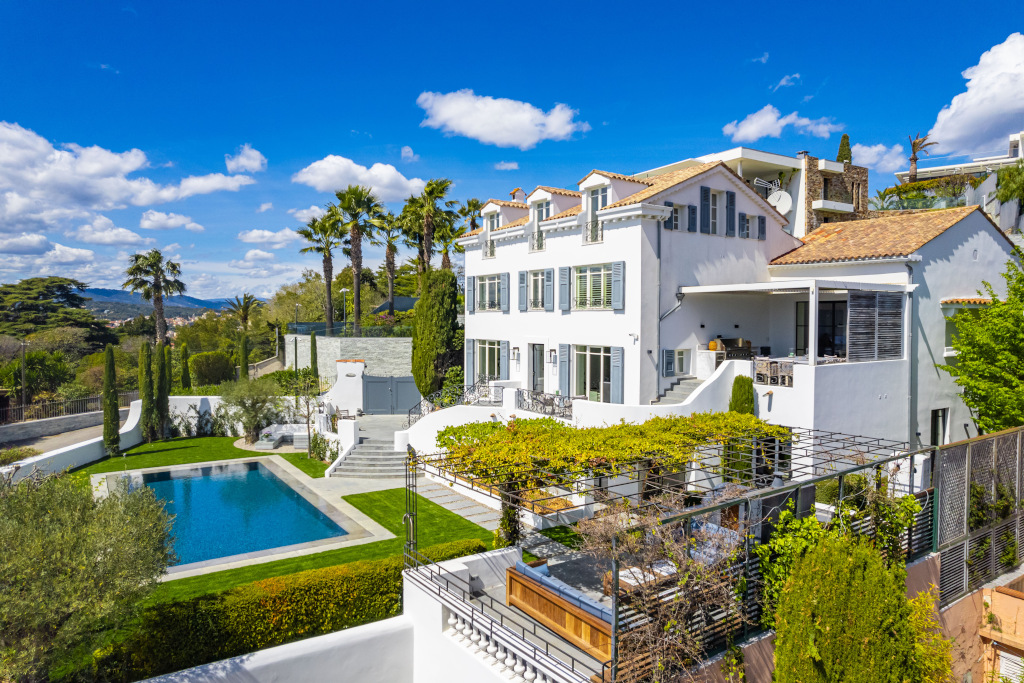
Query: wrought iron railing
x=554, y=405
x=348, y=329
x=593, y=232
x=537, y=241
x=489, y=249
x=599, y=302
x=481, y=393
x=488, y=305
x=536, y=304
x=74, y=406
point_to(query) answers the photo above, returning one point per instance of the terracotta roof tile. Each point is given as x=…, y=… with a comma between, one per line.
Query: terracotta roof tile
x=505, y=202
x=573, y=211
x=617, y=176
x=874, y=238
x=660, y=183
x=968, y=301
x=557, y=190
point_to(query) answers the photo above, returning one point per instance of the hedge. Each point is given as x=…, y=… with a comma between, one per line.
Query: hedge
x=274, y=611
x=212, y=367
x=205, y=390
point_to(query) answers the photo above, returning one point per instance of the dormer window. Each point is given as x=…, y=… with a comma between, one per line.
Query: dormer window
x=492, y=221
x=542, y=211
x=598, y=199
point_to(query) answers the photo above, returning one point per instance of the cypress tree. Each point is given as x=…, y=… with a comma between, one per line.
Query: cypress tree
x=243, y=358
x=147, y=420
x=435, y=335
x=314, y=366
x=186, y=375
x=170, y=370
x=844, y=149
x=111, y=416
x=160, y=390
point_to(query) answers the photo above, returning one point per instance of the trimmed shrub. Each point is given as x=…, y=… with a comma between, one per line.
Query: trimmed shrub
x=844, y=154
x=742, y=399
x=212, y=367
x=274, y=611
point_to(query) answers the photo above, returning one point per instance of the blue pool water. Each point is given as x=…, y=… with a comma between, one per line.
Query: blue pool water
x=233, y=509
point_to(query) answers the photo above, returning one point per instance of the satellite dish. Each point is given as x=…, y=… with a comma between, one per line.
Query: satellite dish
x=781, y=200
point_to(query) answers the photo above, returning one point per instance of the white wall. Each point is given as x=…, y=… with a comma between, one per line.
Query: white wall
x=82, y=453
x=380, y=652
x=347, y=392
x=422, y=436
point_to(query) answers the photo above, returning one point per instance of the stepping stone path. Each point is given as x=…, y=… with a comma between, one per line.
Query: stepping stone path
x=461, y=505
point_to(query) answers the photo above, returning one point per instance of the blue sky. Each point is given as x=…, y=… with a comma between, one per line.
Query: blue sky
x=211, y=128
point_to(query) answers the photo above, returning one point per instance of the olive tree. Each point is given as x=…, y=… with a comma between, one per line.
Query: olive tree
x=254, y=405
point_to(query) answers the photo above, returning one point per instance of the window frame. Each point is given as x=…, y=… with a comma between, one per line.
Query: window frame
x=487, y=349
x=713, y=210
x=485, y=283
x=582, y=355
x=535, y=290
x=583, y=278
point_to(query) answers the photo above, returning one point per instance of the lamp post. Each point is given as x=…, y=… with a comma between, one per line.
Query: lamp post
x=24, y=344
x=295, y=339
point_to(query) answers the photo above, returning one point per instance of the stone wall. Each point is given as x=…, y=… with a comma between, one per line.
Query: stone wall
x=384, y=356
x=850, y=187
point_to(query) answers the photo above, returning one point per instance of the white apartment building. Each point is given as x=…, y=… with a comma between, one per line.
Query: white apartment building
x=613, y=292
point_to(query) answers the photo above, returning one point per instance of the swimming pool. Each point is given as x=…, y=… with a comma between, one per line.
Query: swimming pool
x=235, y=509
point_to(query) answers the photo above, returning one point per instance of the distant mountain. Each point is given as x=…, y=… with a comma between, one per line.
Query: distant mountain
x=117, y=296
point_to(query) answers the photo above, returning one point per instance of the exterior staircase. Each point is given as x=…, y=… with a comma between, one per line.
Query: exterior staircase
x=678, y=392
x=373, y=459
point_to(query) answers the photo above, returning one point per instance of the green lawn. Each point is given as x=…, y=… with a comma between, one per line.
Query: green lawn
x=436, y=525
x=311, y=466
x=181, y=451
x=566, y=535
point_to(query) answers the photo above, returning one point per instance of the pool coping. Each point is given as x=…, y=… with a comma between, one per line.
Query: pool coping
x=358, y=526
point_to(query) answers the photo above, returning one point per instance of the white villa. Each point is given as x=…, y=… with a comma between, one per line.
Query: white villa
x=653, y=291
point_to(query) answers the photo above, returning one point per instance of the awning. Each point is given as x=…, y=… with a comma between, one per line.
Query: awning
x=796, y=286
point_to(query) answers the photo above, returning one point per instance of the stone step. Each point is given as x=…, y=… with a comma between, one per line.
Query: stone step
x=368, y=475
x=359, y=457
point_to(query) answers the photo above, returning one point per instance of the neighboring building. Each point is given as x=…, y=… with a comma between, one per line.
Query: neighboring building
x=402, y=304
x=612, y=292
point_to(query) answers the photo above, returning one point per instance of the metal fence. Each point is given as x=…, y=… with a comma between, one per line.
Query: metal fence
x=554, y=405
x=74, y=406
x=480, y=393
x=980, y=517
x=340, y=329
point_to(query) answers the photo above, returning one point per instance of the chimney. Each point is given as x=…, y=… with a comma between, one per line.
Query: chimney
x=801, y=154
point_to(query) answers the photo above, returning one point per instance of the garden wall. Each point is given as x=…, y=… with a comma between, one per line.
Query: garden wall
x=53, y=425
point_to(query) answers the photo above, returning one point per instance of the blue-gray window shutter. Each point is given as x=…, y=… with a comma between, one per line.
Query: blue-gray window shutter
x=668, y=362
x=705, y=210
x=470, y=370
x=503, y=360
x=618, y=285
x=549, y=289
x=743, y=225
x=730, y=214
x=522, y=290
x=762, y=228
x=503, y=291
x=668, y=221
x=470, y=294
x=563, y=369
x=564, y=304
x=691, y=223
x=617, y=389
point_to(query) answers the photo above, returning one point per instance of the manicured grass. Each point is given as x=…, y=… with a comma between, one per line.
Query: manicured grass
x=436, y=525
x=566, y=535
x=181, y=451
x=310, y=466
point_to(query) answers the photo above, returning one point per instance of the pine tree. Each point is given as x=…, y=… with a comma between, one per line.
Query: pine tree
x=147, y=420
x=844, y=149
x=313, y=365
x=111, y=414
x=434, y=338
x=186, y=375
x=160, y=391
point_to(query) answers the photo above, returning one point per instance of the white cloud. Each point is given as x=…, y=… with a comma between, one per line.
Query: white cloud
x=62, y=255
x=43, y=186
x=306, y=215
x=791, y=79
x=247, y=160
x=258, y=255
x=768, y=122
x=265, y=206
x=408, y=155
x=25, y=243
x=173, y=246
x=158, y=220
x=260, y=264
x=763, y=58
x=506, y=166
x=335, y=172
x=274, y=240
x=879, y=157
x=103, y=231
x=497, y=121
x=980, y=119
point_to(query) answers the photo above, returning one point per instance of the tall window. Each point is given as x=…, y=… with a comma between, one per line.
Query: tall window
x=593, y=373
x=488, y=293
x=831, y=328
x=746, y=224
x=492, y=221
x=542, y=211
x=488, y=364
x=594, y=286
x=536, y=290
x=598, y=200
x=714, y=213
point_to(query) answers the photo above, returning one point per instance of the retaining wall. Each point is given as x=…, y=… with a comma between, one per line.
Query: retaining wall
x=32, y=429
x=384, y=356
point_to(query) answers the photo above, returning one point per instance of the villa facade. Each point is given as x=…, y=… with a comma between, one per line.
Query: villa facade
x=637, y=290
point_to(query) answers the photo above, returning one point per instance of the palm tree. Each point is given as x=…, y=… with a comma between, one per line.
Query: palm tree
x=154, y=278
x=363, y=213
x=448, y=239
x=882, y=201
x=242, y=310
x=412, y=231
x=434, y=209
x=325, y=234
x=1010, y=186
x=389, y=235
x=918, y=145
x=470, y=211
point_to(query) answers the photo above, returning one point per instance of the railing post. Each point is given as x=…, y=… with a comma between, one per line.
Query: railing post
x=936, y=496
x=615, y=611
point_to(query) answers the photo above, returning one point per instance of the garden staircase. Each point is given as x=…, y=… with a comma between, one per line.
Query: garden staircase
x=373, y=459
x=679, y=391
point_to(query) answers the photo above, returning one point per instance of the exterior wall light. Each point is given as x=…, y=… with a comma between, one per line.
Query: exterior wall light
x=515, y=353
x=553, y=356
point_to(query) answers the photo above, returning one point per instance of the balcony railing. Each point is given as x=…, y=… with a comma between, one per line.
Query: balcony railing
x=480, y=393
x=488, y=305
x=489, y=249
x=536, y=304
x=537, y=241
x=593, y=303
x=593, y=232
x=554, y=405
